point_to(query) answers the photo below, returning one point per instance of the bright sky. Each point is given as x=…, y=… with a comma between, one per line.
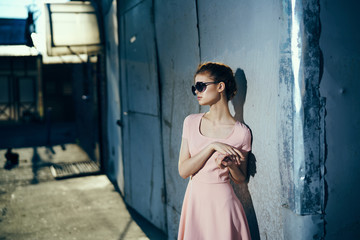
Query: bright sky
x=14, y=8
x=18, y=8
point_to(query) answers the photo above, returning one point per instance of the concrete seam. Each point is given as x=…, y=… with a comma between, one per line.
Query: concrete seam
x=198, y=26
x=164, y=192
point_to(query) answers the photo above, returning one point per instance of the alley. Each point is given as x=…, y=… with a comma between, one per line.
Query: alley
x=33, y=205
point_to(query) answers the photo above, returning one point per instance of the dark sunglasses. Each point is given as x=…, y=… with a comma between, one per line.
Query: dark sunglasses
x=201, y=86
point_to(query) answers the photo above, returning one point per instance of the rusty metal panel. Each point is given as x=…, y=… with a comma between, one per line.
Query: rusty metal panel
x=145, y=168
x=307, y=113
x=301, y=132
x=301, y=51
x=141, y=66
x=143, y=161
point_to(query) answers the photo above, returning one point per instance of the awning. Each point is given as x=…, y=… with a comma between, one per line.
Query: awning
x=18, y=51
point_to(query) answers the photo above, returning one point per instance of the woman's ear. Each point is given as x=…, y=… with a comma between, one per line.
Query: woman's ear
x=221, y=87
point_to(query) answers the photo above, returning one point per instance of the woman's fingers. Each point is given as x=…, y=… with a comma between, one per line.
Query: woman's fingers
x=242, y=156
x=233, y=153
x=219, y=159
x=222, y=148
x=238, y=156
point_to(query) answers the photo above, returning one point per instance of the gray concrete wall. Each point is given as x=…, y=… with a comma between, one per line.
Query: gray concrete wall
x=245, y=36
x=340, y=85
x=285, y=197
x=178, y=53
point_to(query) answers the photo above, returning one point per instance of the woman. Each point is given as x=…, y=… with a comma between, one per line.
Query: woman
x=214, y=148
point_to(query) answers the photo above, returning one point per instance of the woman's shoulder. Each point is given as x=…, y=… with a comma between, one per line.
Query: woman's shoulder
x=193, y=117
x=242, y=128
x=243, y=132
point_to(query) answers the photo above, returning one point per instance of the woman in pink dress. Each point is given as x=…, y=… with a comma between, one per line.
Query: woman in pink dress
x=214, y=148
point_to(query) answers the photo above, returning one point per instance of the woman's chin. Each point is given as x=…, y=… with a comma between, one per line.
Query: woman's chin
x=202, y=103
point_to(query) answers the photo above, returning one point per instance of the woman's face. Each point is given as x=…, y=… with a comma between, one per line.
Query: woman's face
x=211, y=94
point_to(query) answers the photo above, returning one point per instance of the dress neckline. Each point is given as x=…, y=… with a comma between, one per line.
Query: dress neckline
x=199, y=131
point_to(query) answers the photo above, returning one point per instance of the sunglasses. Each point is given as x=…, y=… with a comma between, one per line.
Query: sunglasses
x=201, y=86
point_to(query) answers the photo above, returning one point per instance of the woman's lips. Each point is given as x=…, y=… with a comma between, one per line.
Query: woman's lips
x=198, y=98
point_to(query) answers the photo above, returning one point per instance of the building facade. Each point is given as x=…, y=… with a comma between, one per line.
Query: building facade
x=296, y=64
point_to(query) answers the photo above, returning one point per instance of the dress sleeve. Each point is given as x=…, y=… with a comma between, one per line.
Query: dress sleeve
x=246, y=146
x=185, y=133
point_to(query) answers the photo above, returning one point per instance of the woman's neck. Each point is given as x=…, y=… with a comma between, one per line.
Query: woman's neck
x=219, y=112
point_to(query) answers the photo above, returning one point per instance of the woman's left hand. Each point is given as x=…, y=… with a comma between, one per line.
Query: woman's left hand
x=223, y=161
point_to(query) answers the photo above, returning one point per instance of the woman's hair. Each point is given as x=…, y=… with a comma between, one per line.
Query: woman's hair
x=221, y=73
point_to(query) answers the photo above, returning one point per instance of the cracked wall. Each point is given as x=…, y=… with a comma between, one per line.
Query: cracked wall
x=245, y=36
x=279, y=51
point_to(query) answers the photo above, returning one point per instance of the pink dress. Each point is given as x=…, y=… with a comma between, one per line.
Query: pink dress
x=211, y=209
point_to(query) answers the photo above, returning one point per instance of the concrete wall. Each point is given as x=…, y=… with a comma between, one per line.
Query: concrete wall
x=177, y=38
x=273, y=47
x=340, y=85
x=245, y=36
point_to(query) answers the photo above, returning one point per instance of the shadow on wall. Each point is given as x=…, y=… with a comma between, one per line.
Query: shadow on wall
x=241, y=190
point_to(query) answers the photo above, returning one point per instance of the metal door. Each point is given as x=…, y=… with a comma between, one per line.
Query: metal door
x=143, y=161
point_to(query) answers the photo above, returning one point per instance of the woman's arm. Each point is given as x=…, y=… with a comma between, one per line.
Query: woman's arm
x=189, y=165
x=239, y=172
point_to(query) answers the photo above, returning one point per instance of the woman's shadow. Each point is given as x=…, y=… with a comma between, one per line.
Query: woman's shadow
x=241, y=190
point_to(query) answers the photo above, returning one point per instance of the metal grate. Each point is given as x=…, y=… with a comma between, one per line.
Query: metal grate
x=65, y=170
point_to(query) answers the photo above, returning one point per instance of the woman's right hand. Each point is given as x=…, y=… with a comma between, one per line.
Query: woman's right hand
x=223, y=161
x=228, y=151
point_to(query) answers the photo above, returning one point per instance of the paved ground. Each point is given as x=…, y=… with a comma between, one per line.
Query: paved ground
x=33, y=205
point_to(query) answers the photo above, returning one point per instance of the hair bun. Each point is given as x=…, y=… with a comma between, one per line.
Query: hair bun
x=222, y=73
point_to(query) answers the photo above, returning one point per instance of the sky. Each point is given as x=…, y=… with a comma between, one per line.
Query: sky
x=14, y=8
x=18, y=8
